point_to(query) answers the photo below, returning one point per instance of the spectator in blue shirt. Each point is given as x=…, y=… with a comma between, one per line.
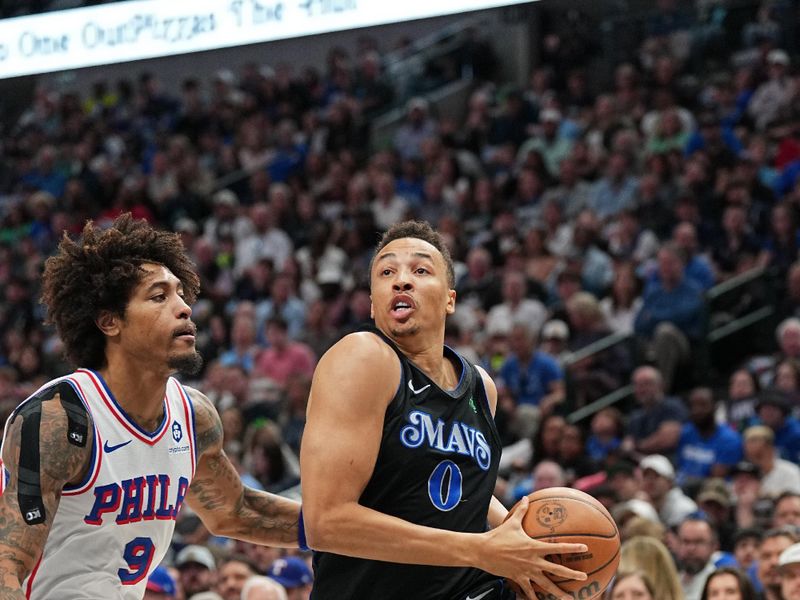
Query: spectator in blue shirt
x=243, y=349
x=532, y=376
x=706, y=449
x=655, y=428
x=774, y=411
x=714, y=137
x=417, y=127
x=671, y=316
x=283, y=302
x=45, y=175
x=616, y=191
x=289, y=155
x=607, y=428
x=787, y=179
x=698, y=267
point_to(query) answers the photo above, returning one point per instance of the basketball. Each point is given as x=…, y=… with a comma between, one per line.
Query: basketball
x=566, y=515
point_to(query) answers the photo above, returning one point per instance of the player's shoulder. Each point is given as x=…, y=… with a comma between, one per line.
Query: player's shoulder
x=60, y=403
x=360, y=350
x=202, y=406
x=489, y=386
x=207, y=422
x=60, y=426
x=488, y=382
x=361, y=366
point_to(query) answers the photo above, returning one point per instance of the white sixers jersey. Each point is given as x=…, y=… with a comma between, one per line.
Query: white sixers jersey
x=114, y=528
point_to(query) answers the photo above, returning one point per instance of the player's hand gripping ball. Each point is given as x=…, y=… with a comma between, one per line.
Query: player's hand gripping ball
x=566, y=515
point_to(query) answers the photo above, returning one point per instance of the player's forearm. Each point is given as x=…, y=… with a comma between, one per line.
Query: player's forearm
x=357, y=531
x=262, y=518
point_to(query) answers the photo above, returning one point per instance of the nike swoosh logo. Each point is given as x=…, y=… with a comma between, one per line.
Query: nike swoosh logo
x=478, y=597
x=108, y=448
x=419, y=391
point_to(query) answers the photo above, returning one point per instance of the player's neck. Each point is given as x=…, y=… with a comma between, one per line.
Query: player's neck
x=434, y=364
x=139, y=391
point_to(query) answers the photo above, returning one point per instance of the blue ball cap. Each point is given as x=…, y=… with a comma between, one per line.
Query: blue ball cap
x=290, y=572
x=161, y=581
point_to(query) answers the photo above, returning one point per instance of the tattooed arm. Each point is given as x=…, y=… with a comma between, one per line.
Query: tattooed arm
x=224, y=504
x=61, y=463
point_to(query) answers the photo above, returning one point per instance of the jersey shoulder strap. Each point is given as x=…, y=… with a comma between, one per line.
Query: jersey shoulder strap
x=29, y=488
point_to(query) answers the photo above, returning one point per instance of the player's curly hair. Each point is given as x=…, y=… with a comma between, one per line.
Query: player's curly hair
x=423, y=231
x=98, y=272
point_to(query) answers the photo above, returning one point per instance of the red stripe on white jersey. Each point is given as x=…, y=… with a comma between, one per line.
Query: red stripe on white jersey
x=117, y=411
x=189, y=415
x=33, y=575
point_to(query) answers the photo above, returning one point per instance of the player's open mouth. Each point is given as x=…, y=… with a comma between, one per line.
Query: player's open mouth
x=402, y=307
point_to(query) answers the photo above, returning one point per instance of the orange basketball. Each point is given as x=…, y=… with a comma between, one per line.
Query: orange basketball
x=566, y=515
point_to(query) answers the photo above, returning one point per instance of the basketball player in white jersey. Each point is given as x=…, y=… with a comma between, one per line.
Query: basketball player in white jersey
x=97, y=464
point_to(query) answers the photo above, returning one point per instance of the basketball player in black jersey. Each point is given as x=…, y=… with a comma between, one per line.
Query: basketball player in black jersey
x=400, y=452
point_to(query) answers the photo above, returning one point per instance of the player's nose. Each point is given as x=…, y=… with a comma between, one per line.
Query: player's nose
x=184, y=310
x=402, y=283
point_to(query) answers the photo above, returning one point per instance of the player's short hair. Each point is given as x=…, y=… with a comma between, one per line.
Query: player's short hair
x=420, y=230
x=98, y=272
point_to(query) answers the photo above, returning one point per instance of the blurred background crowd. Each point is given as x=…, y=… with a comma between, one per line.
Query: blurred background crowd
x=626, y=246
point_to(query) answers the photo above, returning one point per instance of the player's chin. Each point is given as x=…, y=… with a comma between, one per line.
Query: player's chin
x=404, y=329
x=189, y=362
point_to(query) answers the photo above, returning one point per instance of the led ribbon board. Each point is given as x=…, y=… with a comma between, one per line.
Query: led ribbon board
x=139, y=29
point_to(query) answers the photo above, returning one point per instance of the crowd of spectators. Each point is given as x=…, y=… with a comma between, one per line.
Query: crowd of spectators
x=573, y=209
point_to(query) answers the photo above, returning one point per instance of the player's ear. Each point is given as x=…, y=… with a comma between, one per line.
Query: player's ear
x=451, y=302
x=371, y=308
x=108, y=323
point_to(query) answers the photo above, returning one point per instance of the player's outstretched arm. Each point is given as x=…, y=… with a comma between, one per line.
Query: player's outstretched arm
x=225, y=505
x=61, y=463
x=352, y=387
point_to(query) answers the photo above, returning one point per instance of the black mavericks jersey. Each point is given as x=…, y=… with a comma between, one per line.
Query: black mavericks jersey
x=436, y=466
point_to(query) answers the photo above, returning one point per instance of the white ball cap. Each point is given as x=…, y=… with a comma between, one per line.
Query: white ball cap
x=658, y=463
x=778, y=57
x=790, y=555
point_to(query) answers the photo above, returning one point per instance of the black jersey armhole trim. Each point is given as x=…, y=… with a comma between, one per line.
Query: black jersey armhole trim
x=86, y=478
x=393, y=405
x=484, y=403
x=466, y=376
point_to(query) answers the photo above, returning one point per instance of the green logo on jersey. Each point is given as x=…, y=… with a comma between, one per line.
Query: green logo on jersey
x=472, y=405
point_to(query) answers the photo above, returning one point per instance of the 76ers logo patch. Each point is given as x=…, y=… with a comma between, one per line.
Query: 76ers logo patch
x=551, y=514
